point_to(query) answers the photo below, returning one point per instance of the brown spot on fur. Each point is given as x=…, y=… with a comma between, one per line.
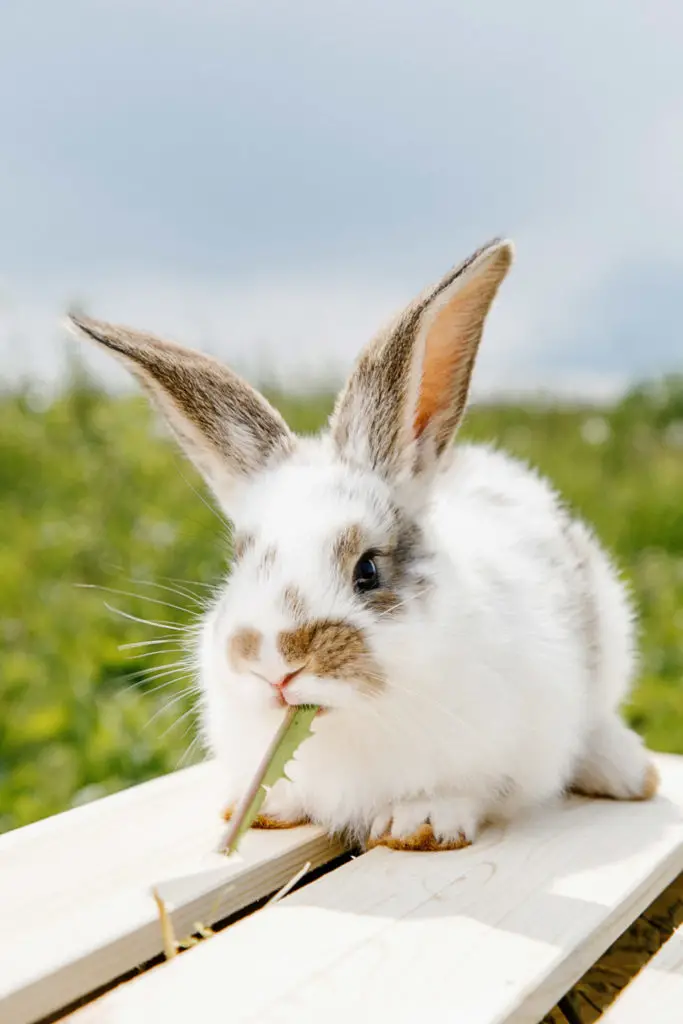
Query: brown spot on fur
x=242, y=543
x=383, y=601
x=422, y=840
x=652, y=781
x=268, y=559
x=294, y=603
x=244, y=645
x=347, y=548
x=266, y=821
x=331, y=649
x=400, y=565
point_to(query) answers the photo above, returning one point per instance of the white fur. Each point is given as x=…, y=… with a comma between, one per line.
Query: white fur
x=507, y=662
x=504, y=679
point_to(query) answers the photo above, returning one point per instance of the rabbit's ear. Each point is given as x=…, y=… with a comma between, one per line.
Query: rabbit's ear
x=407, y=394
x=226, y=427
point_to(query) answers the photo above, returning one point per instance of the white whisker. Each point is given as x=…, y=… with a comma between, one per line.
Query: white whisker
x=173, y=682
x=190, y=583
x=180, y=591
x=212, y=508
x=156, y=653
x=173, y=725
x=147, y=643
x=141, y=681
x=402, y=604
x=165, y=707
x=188, y=753
x=139, y=597
x=149, y=675
x=145, y=622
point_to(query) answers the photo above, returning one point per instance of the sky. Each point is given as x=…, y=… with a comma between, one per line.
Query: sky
x=270, y=182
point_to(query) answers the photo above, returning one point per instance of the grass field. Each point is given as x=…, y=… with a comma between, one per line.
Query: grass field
x=92, y=493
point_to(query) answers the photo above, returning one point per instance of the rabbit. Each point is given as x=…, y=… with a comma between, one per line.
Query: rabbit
x=466, y=639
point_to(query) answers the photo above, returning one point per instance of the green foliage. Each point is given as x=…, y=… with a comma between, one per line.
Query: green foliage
x=91, y=492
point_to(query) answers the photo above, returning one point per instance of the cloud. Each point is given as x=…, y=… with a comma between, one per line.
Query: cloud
x=273, y=180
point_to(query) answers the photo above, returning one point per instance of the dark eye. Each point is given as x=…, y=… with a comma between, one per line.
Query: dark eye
x=365, y=574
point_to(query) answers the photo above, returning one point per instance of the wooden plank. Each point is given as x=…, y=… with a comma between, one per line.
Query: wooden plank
x=656, y=994
x=494, y=933
x=75, y=889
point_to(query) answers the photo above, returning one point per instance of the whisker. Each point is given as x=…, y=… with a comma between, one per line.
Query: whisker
x=147, y=643
x=139, y=679
x=186, y=756
x=187, y=728
x=154, y=654
x=162, y=686
x=425, y=697
x=212, y=508
x=402, y=604
x=149, y=675
x=193, y=688
x=180, y=591
x=165, y=707
x=145, y=622
x=139, y=597
x=191, y=583
x=173, y=725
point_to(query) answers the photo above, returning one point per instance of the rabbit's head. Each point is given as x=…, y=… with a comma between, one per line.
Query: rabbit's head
x=330, y=554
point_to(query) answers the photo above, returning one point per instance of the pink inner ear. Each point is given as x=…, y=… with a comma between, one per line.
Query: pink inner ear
x=449, y=349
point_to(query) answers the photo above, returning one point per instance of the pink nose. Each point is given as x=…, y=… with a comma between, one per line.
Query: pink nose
x=280, y=685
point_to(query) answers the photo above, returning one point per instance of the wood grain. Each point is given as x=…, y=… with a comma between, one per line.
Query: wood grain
x=497, y=932
x=75, y=890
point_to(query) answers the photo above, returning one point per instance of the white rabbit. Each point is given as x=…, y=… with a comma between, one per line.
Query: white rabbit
x=467, y=640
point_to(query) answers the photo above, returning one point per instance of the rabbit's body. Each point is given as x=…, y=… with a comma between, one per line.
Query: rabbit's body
x=516, y=648
x=468, y=641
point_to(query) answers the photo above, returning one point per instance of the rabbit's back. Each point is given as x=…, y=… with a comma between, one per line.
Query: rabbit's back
x=505, y=521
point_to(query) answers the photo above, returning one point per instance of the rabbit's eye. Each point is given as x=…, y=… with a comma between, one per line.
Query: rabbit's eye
x=365, y=574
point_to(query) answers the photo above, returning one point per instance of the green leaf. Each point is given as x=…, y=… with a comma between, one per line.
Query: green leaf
x=291, y=734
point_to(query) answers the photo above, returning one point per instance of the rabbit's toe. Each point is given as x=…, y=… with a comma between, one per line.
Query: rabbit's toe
x=268, y=820
x=281, y=809
x=442, y=823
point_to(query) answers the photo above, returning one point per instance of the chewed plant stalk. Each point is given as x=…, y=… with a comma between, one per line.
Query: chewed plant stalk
x=295, y=728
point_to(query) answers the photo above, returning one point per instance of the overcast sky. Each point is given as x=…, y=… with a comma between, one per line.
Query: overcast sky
x=269, y=181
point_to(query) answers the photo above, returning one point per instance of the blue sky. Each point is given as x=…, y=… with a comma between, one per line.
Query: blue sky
x=271, y=181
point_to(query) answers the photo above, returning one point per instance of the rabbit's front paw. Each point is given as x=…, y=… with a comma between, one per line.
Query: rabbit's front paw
x=280, y=810
x=440, y=823
x=267, y=820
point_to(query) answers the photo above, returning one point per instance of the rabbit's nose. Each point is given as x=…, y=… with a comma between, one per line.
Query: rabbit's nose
x=285, y=680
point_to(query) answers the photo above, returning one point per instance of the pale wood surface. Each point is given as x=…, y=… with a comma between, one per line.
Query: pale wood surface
x=75, y=900
x=656, y=994
x=494, y=933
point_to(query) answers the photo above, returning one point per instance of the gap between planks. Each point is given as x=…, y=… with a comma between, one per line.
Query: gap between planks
x=75, y=889
x=493, y=934
x=656, y=994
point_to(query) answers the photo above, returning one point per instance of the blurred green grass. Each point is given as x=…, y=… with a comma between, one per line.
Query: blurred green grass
x=92, y=492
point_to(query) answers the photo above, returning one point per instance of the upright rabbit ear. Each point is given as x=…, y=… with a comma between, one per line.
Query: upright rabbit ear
x=226, y=427
x=406, y=396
